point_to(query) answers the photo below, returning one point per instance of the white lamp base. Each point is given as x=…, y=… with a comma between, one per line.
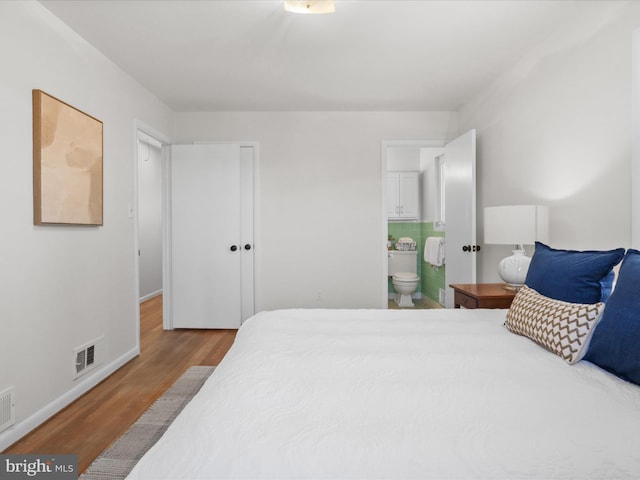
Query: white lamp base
x=513, y=269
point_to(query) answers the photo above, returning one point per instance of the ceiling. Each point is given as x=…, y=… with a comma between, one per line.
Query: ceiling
x=251, y=55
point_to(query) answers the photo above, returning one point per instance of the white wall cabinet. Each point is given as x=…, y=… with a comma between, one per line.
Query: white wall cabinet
x=403, y=195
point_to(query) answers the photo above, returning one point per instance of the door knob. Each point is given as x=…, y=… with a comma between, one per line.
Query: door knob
x=247, y=246
x=234, y=248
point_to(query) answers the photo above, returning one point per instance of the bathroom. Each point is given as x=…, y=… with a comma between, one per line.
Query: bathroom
x=414, y=180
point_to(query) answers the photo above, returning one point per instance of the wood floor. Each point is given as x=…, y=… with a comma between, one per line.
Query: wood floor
x=94, y=421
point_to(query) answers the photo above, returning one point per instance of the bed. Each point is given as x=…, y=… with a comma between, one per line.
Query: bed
x=397, y=394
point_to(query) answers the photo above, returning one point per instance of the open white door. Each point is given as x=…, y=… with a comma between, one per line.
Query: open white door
x=208, y=238
x=460, y=212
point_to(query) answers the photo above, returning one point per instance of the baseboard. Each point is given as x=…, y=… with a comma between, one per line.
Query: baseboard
x=15, y=433
x=150, y=296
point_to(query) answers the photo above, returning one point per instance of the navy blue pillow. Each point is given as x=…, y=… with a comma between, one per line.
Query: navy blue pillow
x=615, y=344
x=573, y=276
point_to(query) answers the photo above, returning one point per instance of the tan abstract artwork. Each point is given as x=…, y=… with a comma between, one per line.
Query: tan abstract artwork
x=67, y=163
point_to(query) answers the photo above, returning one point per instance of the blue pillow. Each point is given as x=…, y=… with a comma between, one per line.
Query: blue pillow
x=573, y=276
x=606, y=285
x=615, y=344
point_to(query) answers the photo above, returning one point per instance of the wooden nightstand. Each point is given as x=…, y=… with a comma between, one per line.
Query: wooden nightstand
x=482, y=295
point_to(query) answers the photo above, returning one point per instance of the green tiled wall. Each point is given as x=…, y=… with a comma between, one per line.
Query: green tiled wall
x=431, y=279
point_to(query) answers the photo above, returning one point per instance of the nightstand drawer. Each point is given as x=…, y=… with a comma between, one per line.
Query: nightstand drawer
x=482, y=295
x=465, y=300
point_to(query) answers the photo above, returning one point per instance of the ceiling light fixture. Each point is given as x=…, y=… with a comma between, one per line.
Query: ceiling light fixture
x=309, y=6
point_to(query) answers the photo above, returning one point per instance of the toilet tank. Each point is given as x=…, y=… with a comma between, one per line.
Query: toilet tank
x=403, y=261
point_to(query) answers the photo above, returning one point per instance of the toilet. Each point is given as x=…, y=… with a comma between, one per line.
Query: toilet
x=403, y=266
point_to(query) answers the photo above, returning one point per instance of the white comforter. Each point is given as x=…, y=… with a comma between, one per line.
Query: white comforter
x=440, y=394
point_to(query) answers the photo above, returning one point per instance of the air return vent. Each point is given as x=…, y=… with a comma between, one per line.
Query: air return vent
x=7, y=408
x=87, y=357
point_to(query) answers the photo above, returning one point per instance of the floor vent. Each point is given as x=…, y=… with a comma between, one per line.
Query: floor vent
x=86, y=357
x=91, y=355
x=7, y=408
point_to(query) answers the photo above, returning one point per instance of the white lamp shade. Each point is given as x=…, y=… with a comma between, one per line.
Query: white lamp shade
x=516, y=224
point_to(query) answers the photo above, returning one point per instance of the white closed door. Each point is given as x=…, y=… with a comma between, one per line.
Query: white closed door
x=211, y=247
x=460, y=212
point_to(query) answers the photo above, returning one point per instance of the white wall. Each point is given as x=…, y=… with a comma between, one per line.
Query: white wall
x=556, y=130
x=320, y=196
x=61, y=286
x=403, y=158
x=635, y=129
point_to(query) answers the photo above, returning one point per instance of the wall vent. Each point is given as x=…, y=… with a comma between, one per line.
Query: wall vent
x=87, y=357
x=7, y=408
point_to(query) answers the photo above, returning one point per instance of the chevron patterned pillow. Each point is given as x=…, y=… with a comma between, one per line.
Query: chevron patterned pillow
x=561, y=327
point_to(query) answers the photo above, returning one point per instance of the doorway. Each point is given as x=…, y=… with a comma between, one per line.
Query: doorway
x=459, y=192
x=145, y=136
x=149, y=165
x=410, y=184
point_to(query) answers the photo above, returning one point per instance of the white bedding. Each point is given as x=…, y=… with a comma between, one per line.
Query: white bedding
x=431, y=394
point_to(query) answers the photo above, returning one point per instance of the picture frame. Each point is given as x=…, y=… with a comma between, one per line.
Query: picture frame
x=67, y=164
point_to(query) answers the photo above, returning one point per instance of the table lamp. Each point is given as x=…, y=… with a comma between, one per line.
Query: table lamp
x=517, y=225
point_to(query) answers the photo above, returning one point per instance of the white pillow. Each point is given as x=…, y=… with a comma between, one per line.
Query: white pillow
x=561, y=327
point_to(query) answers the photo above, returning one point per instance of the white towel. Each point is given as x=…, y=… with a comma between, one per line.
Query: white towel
x=434, y=251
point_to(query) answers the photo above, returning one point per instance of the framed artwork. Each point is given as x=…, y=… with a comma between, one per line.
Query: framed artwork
x=67, y=164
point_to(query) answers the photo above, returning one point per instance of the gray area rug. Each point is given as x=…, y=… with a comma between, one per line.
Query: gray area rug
x=117, y=461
